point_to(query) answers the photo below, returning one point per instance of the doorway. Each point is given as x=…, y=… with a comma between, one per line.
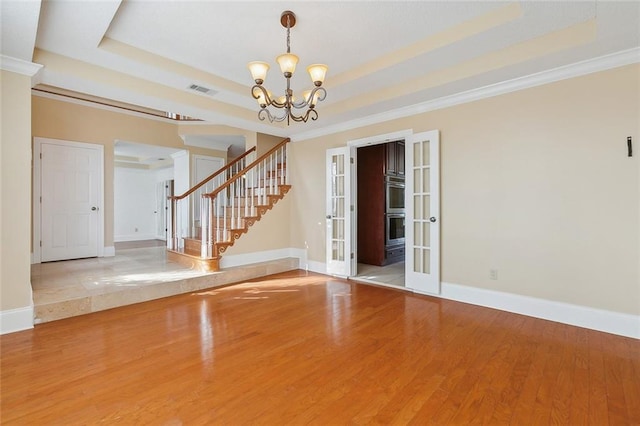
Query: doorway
x=380, y=222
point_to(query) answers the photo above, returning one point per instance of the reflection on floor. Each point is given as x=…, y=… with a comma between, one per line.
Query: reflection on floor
x=391, y=274
x=75, y=287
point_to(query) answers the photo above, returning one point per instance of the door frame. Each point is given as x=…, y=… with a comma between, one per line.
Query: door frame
x=353, y=148
x=36, y=185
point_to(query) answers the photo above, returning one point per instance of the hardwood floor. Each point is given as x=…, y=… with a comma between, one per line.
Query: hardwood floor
x=302, y=348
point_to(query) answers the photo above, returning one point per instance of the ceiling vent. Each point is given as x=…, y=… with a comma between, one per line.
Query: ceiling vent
x=202, y=89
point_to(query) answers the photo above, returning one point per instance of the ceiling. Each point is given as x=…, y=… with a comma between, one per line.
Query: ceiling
x=384, y=57
x=142, y=156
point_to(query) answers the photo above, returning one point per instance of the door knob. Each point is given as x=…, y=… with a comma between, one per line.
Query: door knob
x=432, y=219
x=94, y=208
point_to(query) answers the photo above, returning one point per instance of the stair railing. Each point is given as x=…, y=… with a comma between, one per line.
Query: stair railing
x=236, y=203
x=186, y=216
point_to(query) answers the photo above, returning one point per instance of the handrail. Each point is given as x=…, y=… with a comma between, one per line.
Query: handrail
x=216, y=173
x=246, y=169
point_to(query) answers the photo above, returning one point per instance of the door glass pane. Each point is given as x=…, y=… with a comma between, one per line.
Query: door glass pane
x=338, y=250
x=416, y=155
x=417, y=260
x=338, y=228
x=426, y=208
x=425, y=153
x=426, y=181
x=339, y=186
x=417, y=182
x=426, y=234
x=417, y=233
x=417, y=204
x=337, y=209
x=426, y=261
x=338, y=164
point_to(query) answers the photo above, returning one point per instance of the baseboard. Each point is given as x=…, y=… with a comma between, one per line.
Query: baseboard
x=133, y=237
x=109, y=251
x=12, y=320
x=230, y=261
x=581, y=316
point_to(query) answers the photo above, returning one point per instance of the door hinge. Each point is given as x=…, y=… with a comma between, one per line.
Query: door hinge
x=40, y=243
x=41, y=156
x=351, y=159
x=353, y=255
x=41, y=199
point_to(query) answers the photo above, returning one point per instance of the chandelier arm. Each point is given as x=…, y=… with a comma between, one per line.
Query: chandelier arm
x=263, y=92
x=322, y=94
x=266, y=114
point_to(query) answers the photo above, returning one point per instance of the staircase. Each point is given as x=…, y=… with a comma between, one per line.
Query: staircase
x=211, y=216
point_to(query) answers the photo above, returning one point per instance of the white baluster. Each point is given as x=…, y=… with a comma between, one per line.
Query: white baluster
x=245, y=185
x=287, y=152
x=203, y=227
x=264, y=181
x=224, y=216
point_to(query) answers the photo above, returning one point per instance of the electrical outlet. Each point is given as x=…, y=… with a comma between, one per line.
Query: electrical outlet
x=493, y=274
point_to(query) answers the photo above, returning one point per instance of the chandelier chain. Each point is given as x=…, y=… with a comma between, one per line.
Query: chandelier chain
x=288, y=34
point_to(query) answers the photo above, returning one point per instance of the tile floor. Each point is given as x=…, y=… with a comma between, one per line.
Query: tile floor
x=75, y=287
x=391, y=274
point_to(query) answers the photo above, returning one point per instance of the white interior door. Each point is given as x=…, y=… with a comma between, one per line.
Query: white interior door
x=162, y=207
x=422, y=185
x=338, y=212
x=70, y=191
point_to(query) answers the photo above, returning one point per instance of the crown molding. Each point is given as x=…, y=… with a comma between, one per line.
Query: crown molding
x=602, y=63
x=19, y=66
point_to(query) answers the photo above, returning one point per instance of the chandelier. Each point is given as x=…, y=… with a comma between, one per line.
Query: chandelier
x=287, y=102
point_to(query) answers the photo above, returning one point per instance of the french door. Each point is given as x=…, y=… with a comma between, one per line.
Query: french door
x=339, y=212
x=422, y=186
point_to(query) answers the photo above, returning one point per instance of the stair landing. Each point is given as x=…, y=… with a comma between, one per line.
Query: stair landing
x=77, y=287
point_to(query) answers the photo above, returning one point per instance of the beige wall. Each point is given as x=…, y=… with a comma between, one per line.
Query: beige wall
x=266, y=142
x=272, y=232
x=62, y=120
x=536, y=184
x=15, y=191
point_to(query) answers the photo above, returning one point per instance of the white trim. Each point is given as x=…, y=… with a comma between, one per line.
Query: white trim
x=109, y=251
x=378, y=139
x=602, y=63
x=581, y=316
x=19, y=66
x=314, y=266
x=37, y=178
x=230, y=261
x=12, y=320
x=104, y=107
x=133, y=237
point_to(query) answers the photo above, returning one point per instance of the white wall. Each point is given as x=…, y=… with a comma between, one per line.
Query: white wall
x=134, y=204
